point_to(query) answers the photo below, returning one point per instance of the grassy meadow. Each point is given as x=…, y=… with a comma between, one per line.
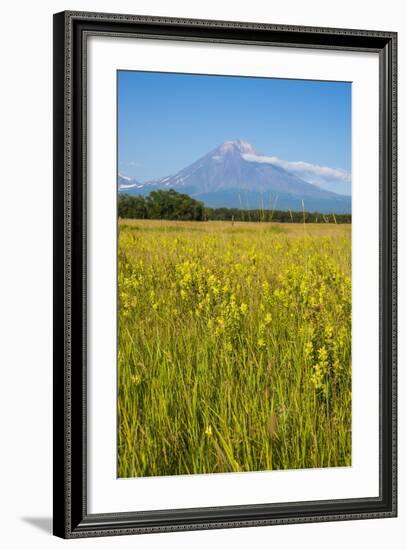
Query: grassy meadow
x=234, y=347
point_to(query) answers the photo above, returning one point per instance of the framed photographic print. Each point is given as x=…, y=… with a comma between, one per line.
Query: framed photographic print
x=224, y=274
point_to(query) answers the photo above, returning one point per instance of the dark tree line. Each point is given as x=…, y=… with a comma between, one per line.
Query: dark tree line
x=283, y=216
x=171, y=205
x=161, y=205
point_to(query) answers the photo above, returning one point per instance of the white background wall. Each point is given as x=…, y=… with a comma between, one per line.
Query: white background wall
x=26, y=271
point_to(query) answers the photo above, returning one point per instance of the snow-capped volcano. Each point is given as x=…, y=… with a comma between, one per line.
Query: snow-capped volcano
x=235, y=175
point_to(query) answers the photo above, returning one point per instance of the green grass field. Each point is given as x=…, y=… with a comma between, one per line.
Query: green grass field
x=234, y=347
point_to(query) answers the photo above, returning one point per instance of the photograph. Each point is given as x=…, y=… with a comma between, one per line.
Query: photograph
x=224, y=273
x=234, y=274
x=200, y=290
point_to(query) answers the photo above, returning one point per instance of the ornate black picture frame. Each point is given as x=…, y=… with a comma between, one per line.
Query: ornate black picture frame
x=71, y=517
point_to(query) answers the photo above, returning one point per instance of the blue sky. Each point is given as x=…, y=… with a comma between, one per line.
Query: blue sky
x=167, y=121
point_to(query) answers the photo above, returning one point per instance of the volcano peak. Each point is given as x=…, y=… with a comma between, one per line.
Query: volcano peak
x=235, y=146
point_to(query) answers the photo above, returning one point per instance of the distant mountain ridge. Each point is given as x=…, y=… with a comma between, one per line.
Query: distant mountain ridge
x=233, y=175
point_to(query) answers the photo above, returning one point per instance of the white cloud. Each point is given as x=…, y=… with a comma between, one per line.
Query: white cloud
x=312, y=173
x=125, y=177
